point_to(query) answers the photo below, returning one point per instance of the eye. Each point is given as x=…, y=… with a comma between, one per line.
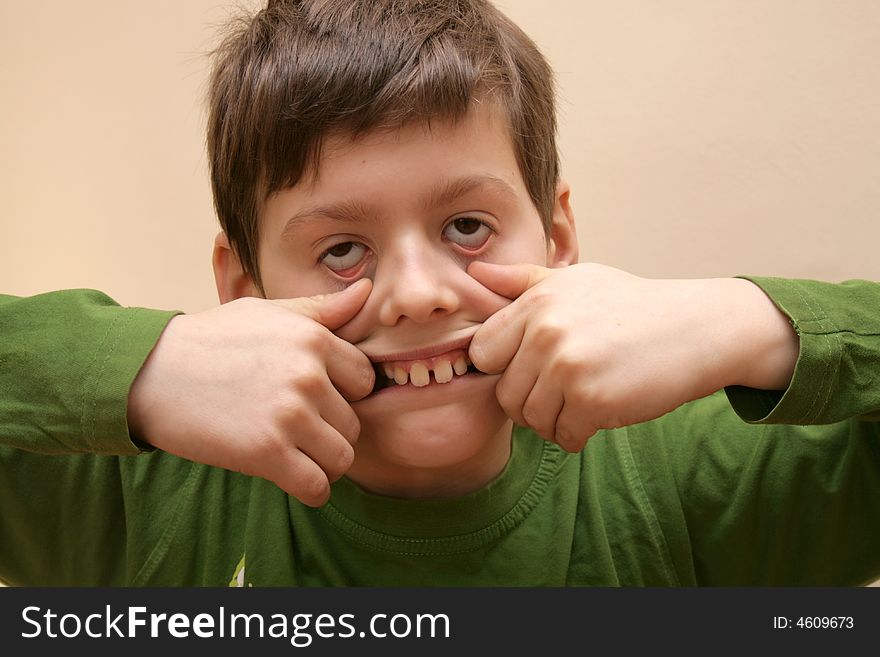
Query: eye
x=344, y=255
x=467, y=232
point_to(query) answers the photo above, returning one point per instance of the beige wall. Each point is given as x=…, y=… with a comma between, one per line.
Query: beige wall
x=701, y=137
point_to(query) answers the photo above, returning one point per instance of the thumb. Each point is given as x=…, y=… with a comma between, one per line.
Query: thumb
x=332, y=310
x=508, y=280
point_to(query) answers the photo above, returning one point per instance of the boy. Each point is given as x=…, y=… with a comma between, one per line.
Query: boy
x=412, y=144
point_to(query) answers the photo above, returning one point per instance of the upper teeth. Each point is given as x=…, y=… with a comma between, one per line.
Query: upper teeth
x=419, y=374
x=443, y=371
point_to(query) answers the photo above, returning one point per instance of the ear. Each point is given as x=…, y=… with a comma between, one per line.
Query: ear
x=562, y=249
x=230, y=277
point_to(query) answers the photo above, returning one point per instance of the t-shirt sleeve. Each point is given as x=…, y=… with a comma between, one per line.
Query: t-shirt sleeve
x=786, y=489
x=67, y=361
x=837, y=375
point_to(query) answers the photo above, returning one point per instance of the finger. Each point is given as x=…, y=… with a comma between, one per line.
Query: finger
x=326, y=447
x=542, y=407
x=331, y=310
x=573, y=427
x=349, y=370
x=298, y=475
x=508, y=280
x=496, y=342
x=339, y=415
x=514, y=386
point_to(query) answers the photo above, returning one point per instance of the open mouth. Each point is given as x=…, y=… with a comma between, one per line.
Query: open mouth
x=420, y=373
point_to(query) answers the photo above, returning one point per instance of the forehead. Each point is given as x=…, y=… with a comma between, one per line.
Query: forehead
x=392, y=175
x=439, y=154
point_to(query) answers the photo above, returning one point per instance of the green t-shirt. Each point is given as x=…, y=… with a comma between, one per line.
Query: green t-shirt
x=743, y=487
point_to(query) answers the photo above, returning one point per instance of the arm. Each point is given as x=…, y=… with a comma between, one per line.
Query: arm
x=67, y=360
x=589, y=347
x=837, y=374
x=792, y=495
x=253, y=386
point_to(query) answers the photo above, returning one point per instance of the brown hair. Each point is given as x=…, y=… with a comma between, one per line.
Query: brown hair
x=298, y=70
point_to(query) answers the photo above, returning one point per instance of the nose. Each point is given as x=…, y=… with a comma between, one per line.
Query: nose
x=416, y=284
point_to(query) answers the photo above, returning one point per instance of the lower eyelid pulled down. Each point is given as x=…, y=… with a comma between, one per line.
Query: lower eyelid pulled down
x=469, y=241
x=343, y=262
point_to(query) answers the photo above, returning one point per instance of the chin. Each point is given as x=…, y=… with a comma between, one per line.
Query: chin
x=439, y=426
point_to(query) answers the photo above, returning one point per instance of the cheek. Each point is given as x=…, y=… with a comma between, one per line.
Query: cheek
x=280, y=286
x=526, y=245
x=282, y=279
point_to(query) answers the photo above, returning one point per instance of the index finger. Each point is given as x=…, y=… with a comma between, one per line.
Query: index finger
x=509, y=281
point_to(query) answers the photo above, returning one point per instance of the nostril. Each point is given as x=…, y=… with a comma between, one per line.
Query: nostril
x=418, y=301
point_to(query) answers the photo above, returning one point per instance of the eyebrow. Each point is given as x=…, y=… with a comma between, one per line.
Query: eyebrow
x=443, y=193
x=447, y=191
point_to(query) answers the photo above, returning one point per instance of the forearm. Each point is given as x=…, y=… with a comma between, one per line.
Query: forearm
x=761, y=340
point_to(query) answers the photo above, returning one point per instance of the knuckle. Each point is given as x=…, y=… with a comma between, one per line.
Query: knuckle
x=514, y=413
x=576, y=427
x=568, y=364
x=541, y=426
x=509, y=395
x=568, y=440
x=508, y=403
x=502, y=391
x=601, y=402
x=313, y=336
x=291, y=409
x=532, y=416
x=310, y=382
x=593, y=406
x=265, y=446
x=548, y=333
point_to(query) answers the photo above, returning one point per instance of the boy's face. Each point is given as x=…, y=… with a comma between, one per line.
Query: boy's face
x=410, y=209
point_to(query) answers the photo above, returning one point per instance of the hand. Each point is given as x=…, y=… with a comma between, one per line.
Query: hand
x=260, y=387
x=589, y=347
